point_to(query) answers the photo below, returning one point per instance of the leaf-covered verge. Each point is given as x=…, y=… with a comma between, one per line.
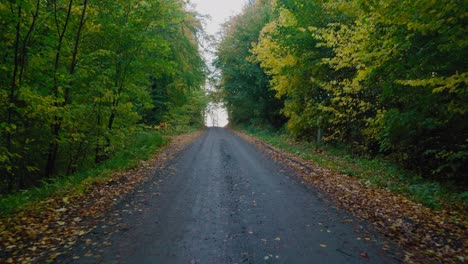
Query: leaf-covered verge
x=378, y=171
x=49, y=228
x=140, y=147
x=425, y=235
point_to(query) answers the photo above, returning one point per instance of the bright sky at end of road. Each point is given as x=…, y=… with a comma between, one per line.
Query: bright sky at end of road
x=219, y=11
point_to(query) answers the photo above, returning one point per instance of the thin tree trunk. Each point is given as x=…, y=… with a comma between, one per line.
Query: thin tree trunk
x=98, y=149
x=74, y=59
x=71, y=69
x=53, y=147
x=12, y=96
x=27, y=39
x=120, y=76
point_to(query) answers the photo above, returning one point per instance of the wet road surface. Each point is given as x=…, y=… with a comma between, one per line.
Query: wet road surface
x=223, y=201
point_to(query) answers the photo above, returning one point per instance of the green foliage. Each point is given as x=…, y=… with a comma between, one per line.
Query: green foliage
x=244, y=85
x=288, y=53
x=78, y=77
x=190, y=114
x=385, y=77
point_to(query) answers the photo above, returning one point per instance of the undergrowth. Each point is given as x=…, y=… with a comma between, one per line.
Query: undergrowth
x=374, y=171
x=141, y=146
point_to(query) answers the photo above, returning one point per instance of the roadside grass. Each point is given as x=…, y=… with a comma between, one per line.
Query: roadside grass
x=141, y=147
x=377, y=171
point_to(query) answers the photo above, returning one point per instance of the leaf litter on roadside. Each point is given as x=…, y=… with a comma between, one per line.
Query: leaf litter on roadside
x=52, y=227
x=424, y=235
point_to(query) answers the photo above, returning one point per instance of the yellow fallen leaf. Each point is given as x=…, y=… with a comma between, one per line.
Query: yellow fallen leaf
x=53, y=256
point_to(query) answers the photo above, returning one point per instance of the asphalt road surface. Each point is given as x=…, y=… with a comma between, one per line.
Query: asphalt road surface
x=223, y=201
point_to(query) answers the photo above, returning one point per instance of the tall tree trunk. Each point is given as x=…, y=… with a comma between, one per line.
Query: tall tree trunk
x=12, y=96
x=73, y=62
x=54, y=145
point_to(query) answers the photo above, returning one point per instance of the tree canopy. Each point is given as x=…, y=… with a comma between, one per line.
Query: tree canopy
x=79, y=78
x=385, y=77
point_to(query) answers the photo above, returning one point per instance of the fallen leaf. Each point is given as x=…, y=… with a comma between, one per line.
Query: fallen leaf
x=53, y=256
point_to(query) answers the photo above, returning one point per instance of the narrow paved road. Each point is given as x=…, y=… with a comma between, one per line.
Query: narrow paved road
x=223, y=201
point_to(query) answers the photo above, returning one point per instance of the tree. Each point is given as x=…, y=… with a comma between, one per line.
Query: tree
x=245, y=86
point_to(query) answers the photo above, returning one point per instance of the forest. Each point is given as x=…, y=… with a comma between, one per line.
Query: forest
x=347, y=137
x=384, y=78
x=80, y=79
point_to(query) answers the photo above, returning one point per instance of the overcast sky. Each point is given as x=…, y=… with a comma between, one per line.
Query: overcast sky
x=219, y=12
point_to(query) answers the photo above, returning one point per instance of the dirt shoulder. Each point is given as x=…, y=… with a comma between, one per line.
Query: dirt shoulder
x=425, y=235
x=51, y=227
